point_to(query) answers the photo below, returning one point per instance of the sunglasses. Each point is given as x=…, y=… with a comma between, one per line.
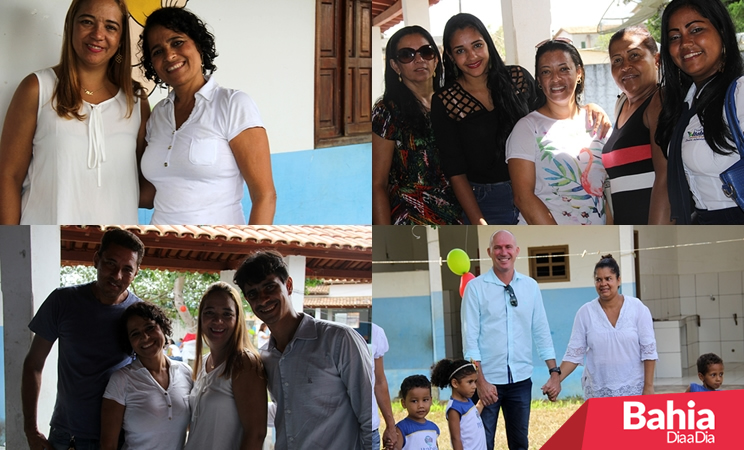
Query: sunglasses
x=407, y=54
x=558, y=39
x=513, y=297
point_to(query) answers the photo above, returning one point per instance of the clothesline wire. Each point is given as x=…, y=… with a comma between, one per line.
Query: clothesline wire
x=584, y=253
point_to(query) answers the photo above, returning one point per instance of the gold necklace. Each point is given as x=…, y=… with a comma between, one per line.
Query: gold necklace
x=88, y=92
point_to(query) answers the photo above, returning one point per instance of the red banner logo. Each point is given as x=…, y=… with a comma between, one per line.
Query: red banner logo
x=708, y=419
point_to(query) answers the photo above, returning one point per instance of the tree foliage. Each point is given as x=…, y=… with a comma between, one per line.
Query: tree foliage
x=735, y=7
x=152, y=285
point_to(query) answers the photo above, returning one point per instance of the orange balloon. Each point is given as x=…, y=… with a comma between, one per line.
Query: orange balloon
x=183, y=308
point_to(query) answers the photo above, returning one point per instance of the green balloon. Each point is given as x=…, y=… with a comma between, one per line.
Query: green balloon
x=458, y=261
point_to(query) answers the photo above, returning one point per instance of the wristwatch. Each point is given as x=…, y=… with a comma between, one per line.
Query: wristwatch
x=555, y=369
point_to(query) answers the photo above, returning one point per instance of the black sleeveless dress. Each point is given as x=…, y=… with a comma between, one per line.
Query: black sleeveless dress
x=627, y=159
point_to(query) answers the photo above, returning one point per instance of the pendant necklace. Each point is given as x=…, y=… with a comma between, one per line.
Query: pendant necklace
x=88, y=92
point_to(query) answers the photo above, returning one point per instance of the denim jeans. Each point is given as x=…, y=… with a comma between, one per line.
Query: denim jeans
x=60, y=440
x=376, y=439
x=728, y=216
x=496, y=202
x=515, y=400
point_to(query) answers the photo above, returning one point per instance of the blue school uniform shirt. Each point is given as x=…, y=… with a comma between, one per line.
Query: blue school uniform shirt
x=694, y=387
x=472, y=434
x=418, y=436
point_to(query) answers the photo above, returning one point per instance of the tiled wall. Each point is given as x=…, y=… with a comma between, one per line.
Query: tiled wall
x=715, y=298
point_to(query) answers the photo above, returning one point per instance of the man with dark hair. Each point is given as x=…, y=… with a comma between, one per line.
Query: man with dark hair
x=319, y=372
x=84, y=319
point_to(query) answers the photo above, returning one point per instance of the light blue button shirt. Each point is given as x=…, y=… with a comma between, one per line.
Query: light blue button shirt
x=500, y=335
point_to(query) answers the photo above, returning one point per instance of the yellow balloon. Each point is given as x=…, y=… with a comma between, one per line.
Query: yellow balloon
x=458, y=261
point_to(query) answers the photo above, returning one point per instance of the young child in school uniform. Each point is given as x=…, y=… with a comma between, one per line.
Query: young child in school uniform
x=463, y=417
x=415, y=432
x=710, y=372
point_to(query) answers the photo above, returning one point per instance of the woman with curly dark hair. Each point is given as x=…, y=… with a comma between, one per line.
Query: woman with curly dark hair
x=700, y=59
x=408, y=186
x=148, y=399
x=203, y=140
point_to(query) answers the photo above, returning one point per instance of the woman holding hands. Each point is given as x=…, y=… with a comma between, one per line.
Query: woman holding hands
x=203, y=140
x=613, y=336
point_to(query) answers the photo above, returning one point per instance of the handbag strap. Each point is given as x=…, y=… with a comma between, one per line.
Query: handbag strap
x=733, y=119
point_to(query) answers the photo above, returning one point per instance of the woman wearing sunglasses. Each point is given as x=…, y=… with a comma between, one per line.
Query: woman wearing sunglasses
x=203, y=141
x=555, y=159
x=408, y=186
x=613, y=337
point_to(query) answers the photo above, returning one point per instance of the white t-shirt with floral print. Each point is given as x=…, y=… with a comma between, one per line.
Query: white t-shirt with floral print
x=568, y=166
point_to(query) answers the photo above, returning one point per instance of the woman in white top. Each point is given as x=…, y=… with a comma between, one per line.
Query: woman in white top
x=73, y=132
x=203, y=140
x=554, y=156
x=148, y=399
x=613, y=336
x=699, y=59
x=228, y=401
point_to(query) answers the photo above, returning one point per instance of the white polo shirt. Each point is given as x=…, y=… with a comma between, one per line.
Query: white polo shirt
x=702, y=165
x=193, y=168
x=154, y=417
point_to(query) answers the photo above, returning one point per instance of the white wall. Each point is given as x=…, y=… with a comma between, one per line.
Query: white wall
x=401, y=284
x=596, y=241
x=266, y=48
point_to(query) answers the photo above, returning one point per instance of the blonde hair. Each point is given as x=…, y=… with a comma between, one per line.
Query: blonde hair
x=67, y=99
x=239, y=343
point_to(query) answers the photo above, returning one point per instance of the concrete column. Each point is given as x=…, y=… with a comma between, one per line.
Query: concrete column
x=626, y=260
x=416, y=12
x=378, y=64
x=437, y=299
x=29, y=271
x=525, y=24
x=296, y=265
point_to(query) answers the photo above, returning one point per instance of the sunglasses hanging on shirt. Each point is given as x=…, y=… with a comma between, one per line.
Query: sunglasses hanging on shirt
x=512, y=296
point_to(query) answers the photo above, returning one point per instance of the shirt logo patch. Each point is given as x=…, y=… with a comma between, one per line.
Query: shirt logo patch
x=695, y=135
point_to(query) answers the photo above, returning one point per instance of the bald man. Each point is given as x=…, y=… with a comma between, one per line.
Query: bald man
x=502, y=314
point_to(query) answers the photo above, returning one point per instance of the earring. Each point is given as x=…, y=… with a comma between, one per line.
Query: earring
x=118, y=58
x=539, y=86
x=455, y=69
x=400, y=79
x=723, y=60
x=435, y=74
x=578, y=81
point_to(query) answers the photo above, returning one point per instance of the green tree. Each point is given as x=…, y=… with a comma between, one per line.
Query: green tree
x=153, y=285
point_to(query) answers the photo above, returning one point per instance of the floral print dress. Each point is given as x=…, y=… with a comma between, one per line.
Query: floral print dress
x=418, y=190
x=569, y=175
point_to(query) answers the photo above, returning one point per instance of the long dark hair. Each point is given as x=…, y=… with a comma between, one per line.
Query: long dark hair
x=676, y=83
x=397, y=93
x=510, y=103
x=575, y=57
